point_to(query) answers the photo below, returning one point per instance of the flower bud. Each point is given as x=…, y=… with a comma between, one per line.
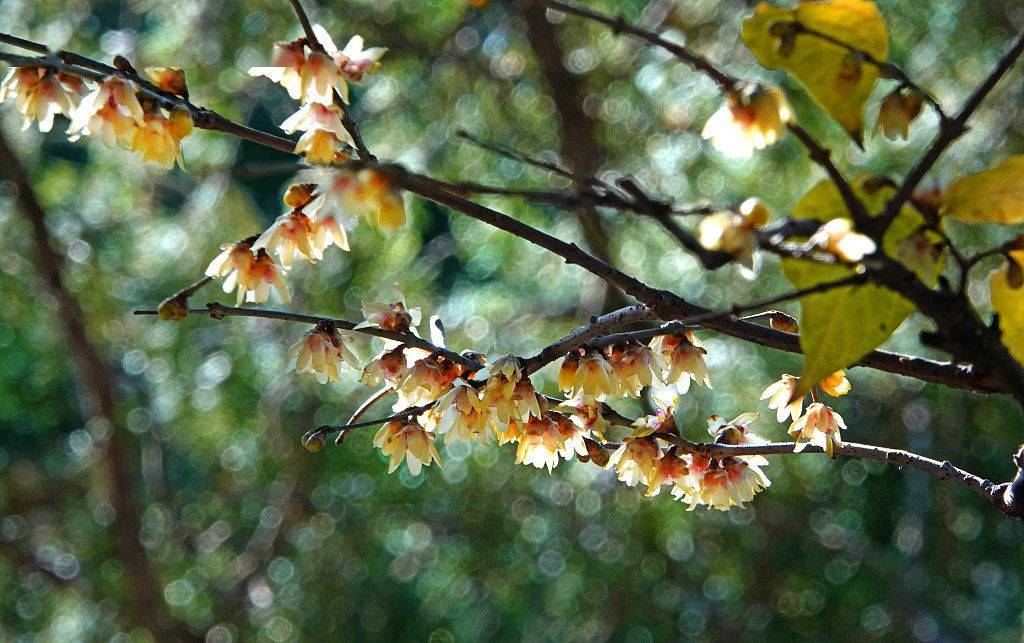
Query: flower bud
x=168, y=79
x=181, y=123
x=597, y=453
x=299, y=194
x=314, y=440
x=174, y=308
x=782, y=321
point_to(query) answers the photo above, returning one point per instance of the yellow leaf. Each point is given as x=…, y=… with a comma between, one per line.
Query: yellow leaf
x=840, y=326
x=837, y=80
x=995, y=195
x=1009, y=303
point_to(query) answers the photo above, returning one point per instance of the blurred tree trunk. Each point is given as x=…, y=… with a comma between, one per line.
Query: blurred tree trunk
x=96, y=390
x=577, y=136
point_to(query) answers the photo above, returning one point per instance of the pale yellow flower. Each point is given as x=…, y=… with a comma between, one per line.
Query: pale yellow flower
x=290, y=235
x=634, y=368
x=682, y=361
x=735, y=233
x=158, y=139
x=427, y=380
x=111, y=112
x=780, y=397
x=323, y=352
x=720, y=484
x=669, y=470
x=636, y=460
x=898, y=110
x=838, y=238
x=285, y=67
x=539, y=443
x=38, y=94
x=324, y=131
x=752, y=118
x=407, y=440
x=389, y=366
x=836, y=384
x=820, y=426
x=460, y=414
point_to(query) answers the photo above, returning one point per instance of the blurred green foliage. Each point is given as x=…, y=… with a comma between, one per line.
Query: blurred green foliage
x=254, y=539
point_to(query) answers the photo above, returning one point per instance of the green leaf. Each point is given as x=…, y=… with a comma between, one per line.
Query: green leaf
x=1008, y=301
x=837, y=80
x=840, y=326
x=995, y=195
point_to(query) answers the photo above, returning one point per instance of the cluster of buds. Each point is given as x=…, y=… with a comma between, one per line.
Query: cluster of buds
x=753, y=117
x=735, y=233
x=314, y=73
x=250, y=271
x=818, y=424
x=112, y=111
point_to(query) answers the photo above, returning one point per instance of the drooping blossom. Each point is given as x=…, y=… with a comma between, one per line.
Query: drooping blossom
x=349, y=66
x=427, y=380
x=460, y=414
x=253, y=275
x=111, y=112
x=572, y=436
x=394, y=317
x=291, y=234
x=594, y=376
x=737, y=432
x=539, y=443
x=682, y=361
x=780, y=397
x=839, y=238
x=389, y=366
x=521, y=405
x=720, y=484
x=820, y=426
x=503, y=376
x=671, y=469
x=636, y=460
x=898, y=110
x=663, y=421
x=285, y=68
x=634, y=367
x=323, y=352
x=836, y=384
x=38, y=94
x=735, y=233
x=324, y=132
x=407, y=440
x=158, y=138
x=587, y=412
x=752, y=118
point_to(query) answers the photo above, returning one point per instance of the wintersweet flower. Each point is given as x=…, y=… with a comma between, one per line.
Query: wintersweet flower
x=521, y=405
x=669, y=470
x=38, y=94
x=286, y=65
x=664, y=420
x=572, y=437
x=898, y=110
x=735, y=233
x=567, y=372
x=290, y=235
x=460, y=414
x=737, y=432
x=427, y=380
x=405, y=439
x=323, y=352
x=324, y=131
x=383, y=200
x=389, y=366
x=111, y=112
x=168, y=79
x=539, y=443
x=720, y=484
x=682, y=361
x=158, y=138
x=838, y=238
x=636, y=460
x=505, y=373
x=586, y=411
x=820, y=426
x=836, y=384
x=350, y=64
x=780, y=397
x=634, y=367
x=752, y=118
x=264, y=276
x=394, y=317
x=235, y=262
x=594, y=376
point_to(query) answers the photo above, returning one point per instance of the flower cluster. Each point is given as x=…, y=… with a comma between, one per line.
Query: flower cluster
x=112, y=111
x=314, y=74
x=818, y=424
x=249, y=271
